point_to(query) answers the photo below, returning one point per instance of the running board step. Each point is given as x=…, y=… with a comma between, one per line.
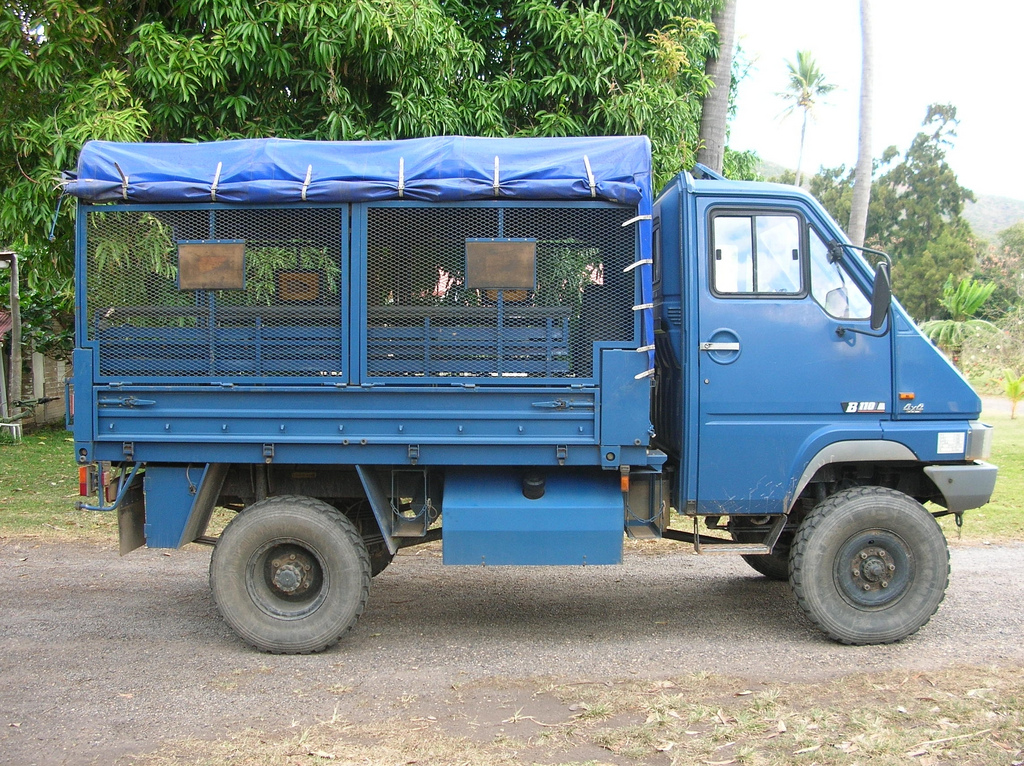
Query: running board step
x=705, y=544
x=747, y=549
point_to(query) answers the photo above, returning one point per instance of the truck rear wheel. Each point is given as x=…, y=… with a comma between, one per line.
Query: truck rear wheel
x=869, y=566
x=290, y=575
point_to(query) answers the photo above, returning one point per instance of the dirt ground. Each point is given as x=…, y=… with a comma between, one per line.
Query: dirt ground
x=103, y=658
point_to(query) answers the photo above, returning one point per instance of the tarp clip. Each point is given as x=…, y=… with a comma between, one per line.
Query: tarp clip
x=590, y=175
x=124, y=181
x=305, y=184
x=641, y=262
x=216, y=180
x=635, y=219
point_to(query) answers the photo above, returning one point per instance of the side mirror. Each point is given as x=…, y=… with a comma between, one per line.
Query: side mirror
x=881, y=296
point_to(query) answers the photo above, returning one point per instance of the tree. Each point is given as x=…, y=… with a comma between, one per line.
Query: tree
x=915, y=213
x=807, y=85
x=715, y=112
x=921, y=197
x=961, y=303
x=857, y=228
x=1003, y=266
x=186, y=70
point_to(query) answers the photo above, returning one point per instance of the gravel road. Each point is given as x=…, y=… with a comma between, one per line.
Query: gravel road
x=104, y=657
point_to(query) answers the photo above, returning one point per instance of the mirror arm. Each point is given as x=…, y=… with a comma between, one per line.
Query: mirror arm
x=841, y=331
x=835, y=249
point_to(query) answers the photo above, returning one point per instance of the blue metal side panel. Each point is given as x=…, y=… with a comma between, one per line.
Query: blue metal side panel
x=625, y=403
x=931, y=440
x=486, y=519
x=170, y=494
x=939, y=389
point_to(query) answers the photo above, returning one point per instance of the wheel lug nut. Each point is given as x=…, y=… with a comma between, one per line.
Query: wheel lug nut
x=867, y=587
x=863, y=555
x=892, y=567
x=885, y=584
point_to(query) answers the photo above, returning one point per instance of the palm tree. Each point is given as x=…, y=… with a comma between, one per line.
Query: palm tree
x=961, y=303
x=806, y=85
x=862, y=176
x=715, y=111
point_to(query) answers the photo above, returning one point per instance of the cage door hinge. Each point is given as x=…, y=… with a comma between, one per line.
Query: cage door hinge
x=128, y=448
x=268, y=453
x=414, y=453
x=561, y=453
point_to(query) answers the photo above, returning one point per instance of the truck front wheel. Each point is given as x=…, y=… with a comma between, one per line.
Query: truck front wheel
x=869, y=566
x=290, y=575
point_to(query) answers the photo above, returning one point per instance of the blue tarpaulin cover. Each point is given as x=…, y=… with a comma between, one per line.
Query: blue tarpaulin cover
x=274, y=171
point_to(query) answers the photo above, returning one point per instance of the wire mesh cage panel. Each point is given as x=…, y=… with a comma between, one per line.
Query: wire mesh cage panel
x=280, y=314
x=425, y=319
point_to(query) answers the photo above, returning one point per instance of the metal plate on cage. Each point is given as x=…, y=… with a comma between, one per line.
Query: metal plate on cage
x=211, y=265
x=501, y=264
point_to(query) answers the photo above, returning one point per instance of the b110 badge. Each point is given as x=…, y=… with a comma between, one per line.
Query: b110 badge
x=852, y=408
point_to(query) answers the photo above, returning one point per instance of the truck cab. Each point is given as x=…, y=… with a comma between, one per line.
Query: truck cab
x=790, y=394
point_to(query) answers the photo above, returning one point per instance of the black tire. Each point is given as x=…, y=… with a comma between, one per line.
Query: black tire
x=290, y=575
x=869, y=566
x=774, y=565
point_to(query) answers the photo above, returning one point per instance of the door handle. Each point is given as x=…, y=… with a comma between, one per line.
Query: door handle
x=712, y=346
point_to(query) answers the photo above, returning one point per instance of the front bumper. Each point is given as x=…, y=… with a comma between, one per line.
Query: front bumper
x=964, y=486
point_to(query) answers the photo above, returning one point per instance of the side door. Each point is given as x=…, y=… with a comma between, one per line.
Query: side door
x=778, y=380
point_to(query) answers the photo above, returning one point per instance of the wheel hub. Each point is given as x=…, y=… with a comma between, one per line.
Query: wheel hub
x=291, y=574
x=286, y=579
x=874, y=569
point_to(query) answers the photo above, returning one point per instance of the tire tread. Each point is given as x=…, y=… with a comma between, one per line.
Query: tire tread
x=807, y=531
x=347, y=527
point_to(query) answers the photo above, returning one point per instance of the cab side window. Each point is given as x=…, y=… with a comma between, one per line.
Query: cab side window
x=833, y=290
x=756, y=254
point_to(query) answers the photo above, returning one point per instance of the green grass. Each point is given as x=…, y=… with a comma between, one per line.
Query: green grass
x=1002, y=520
x=39, y=489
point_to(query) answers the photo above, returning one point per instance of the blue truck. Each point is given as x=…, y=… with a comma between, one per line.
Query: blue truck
x=514, y=347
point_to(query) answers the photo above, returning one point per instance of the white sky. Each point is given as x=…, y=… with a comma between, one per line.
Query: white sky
x=925, y=51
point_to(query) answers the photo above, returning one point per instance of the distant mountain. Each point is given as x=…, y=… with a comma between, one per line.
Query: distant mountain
x=990, y=215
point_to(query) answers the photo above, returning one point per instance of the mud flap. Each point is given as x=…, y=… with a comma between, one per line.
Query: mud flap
x=131, y=518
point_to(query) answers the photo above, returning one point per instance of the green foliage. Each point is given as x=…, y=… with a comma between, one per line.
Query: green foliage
x=1013, y=387
x=192, y=70
x=966, y=299
x=741, y=166
x=806, y=83
x=986, y=355
x=915, y=213
x=47, y=300
x=806, y=86
x=961, y=303
x=1003, y=266
x=920, y=197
